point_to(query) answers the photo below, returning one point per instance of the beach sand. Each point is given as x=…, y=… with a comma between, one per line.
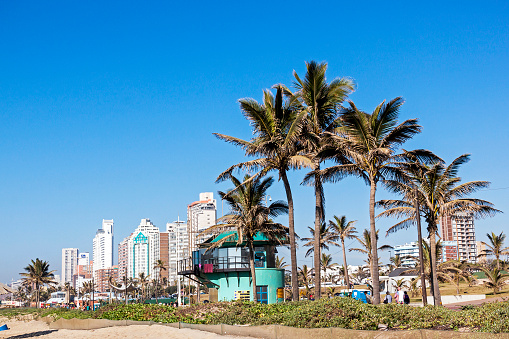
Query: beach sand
x=38, y=329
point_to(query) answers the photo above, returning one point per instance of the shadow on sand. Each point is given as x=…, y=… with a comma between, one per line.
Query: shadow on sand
x=32, y=335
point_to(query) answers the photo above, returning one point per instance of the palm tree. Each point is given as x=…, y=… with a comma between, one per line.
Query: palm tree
x=38, y=274
x=460, y=270
x=322, y=102
x=327, y=264
x=159, y=265
x=327, y=238
x=496, y=279
x=280, y=262
x=396, y=261
x=439, y=193
x=366, y=247
x=344, y=230
x=249, y=216
x=277, y=126
x=496, y=247
x=144, y=281
x=304, y=277
x=364, y=146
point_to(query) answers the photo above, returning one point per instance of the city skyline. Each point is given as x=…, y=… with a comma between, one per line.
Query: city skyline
x=108, y=110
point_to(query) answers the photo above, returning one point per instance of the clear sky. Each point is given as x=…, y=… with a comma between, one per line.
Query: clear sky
x=108, y=109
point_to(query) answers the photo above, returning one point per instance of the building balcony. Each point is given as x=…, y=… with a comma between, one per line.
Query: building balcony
x=214, y=265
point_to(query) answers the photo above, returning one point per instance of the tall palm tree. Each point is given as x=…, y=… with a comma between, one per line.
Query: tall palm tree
x=327, y=238
x=277, y=125
x=249, y=216
x=496, y=246
x=322, y=103
x=345, y=230
x=364, y=146
x=158, y=267
x=37, y=274
x=440, y=193
x=366, y=247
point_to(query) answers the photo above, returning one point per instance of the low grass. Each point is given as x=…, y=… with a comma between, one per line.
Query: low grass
x=335, y=312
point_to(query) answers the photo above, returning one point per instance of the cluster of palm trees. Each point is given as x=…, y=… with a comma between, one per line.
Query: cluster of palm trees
x=310, y=127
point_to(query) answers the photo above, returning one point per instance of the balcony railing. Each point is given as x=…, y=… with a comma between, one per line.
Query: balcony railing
x=214, y=264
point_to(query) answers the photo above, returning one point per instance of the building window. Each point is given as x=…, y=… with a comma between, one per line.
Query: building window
x=262, y=294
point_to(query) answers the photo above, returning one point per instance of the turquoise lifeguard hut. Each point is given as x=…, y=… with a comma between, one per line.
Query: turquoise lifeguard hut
x=225, y=270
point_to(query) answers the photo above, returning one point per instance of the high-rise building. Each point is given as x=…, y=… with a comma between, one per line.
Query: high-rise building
x=178, y=247
x=103, y=246
x=84, y=269
x=460, y=228
x=201, y=214
x=143, y=250
x=69, y=264
x=123, y=258
x=408, y=253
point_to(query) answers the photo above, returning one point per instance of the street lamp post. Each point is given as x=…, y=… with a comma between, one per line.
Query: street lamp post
x=270, y=199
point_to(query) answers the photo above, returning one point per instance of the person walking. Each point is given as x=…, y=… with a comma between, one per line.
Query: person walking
x=399, y=296
x=388, y=298
x=406, y=298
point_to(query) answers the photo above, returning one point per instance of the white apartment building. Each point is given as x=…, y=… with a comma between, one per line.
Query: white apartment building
x=460, y=228
x=103, y=246
x=179, y=247
x=201, y=214
x=408, y=253
x=143, y=250
x=69, y=264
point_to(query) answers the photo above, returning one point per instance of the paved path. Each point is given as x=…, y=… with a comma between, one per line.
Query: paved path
x=457, y=306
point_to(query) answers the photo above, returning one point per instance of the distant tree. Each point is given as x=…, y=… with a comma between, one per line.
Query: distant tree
x=496, y=279
x=158, y=267
x=496, y=246
x=327, y=238
x=344, y=230
x=280, y=262
x=365, y=242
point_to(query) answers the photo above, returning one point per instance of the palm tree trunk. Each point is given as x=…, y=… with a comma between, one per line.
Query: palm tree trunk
x=37, y=295
x=345, y=267
x=318, y=221
x=421, y=257
x=293, y=245
x=375, y=279
x=433, y=246
x=253, y=271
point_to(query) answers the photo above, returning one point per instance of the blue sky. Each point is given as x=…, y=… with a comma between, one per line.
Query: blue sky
x=107, y=110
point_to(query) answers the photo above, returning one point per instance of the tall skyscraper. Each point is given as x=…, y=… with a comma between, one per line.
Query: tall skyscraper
x=460, y=228
x=69, y=264
x=201, y=214
x=103, y=246
x=143, y=250
x=178, y=247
